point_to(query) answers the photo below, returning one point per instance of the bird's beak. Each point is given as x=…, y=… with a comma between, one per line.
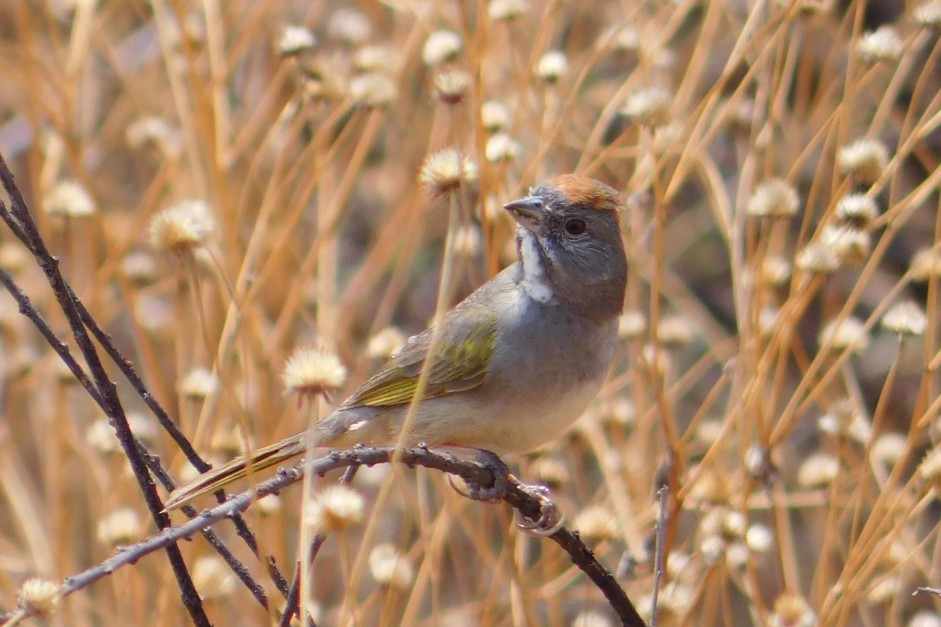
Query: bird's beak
x=529, y=213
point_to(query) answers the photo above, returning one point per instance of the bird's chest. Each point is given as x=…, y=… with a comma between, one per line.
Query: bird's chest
x=551, y=368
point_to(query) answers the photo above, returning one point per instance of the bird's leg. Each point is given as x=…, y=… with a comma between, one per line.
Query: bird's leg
x=494, y=492
x=550, y=518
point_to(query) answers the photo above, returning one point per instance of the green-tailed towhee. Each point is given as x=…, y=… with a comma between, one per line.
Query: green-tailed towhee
x=515, y=363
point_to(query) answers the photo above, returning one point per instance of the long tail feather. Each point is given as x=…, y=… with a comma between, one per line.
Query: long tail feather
x=218, y=478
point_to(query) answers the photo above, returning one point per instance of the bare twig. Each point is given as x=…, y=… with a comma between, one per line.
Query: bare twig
x=293, y=602
x=515, y=495
x=21, y=222
x=152, y=461
x=662, y=494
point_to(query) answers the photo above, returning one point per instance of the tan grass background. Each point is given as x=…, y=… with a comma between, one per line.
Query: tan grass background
x=309, y=164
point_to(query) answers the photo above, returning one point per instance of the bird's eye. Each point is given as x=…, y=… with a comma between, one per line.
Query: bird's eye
x=575, y=227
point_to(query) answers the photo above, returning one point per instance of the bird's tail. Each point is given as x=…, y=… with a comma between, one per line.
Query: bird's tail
x=240, y=467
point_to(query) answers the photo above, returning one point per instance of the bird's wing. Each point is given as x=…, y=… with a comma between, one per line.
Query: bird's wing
x=459, y=363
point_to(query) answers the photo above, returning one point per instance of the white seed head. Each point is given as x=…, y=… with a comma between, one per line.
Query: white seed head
x=451, y=86
x=625, y=38
x=792, y=610
x=864, y=160
x=100, y=436
x=712, y=486
x=736, y=555
x=774, y=198
x=775, y=271
x=674, y=331
x=928, y=14
x=552, y=66
x=905, y=318
x=68, y=198
x=650, y=106
x=13, y=257
x=507, y=10
x=889, y=448
x=349, y=26
x=334, y=509
x=295, y=39
x=885, y=589
x=502, y=148
x=212, y=578
x=441, y=46
x=391, y=568
x=494, y=116
x=930, y=469
x=712, y=549
x=596, y=524
x=551, y=472
x=857, y=210
x=149, y=129
x=925, y=618
x=467, y=240
x=384, y=343
x=38, y=597
x=926, y=264
x=268, y=505
x=709, y=431
x=818, y=470
x=374, y=90
x=847, y=334
x=228, y=441
x=819, y=258
x=140, y=268
x=851, y=245
x=632, y=324
x=381, y=59
x=312, y=371
x=446, y=172
x=616, y=409
x=759, y=538
x=120, y=527
x=591, y=618
x=199, y=383
x=183, y=227
x=882, y=44
x=844, y=419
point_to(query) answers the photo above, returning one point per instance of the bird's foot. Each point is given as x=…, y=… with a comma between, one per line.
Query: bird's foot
x=550, y=518
x=477, y=492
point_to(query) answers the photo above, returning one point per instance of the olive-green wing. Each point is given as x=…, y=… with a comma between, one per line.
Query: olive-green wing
x=460, y=363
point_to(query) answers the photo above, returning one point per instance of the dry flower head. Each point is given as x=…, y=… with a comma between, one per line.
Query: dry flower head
x=863, y=160
x=69, y=199
x=334, y=509
x=446, y=172
x=39, y=597
x=311, y=372
x=391, y=568
x=182, y=228
x=774, y=198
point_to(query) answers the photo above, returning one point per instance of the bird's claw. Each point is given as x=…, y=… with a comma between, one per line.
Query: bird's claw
x=550, y=518
x=477, y=492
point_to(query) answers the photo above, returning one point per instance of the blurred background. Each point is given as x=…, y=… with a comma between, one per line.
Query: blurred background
x=225, y=182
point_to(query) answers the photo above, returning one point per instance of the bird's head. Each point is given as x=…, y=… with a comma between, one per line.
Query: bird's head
x=570, y=246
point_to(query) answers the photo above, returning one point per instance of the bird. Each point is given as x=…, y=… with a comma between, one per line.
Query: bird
x=514, y=364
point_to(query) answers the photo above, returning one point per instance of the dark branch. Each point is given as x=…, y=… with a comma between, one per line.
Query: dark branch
x=472, y=471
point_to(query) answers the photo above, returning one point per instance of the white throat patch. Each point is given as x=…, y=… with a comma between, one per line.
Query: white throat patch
x=535, y=282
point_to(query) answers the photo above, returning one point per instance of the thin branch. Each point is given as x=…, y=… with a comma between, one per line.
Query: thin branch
x=662, y=495
x=27, y=309
x=515, y=495
x=21, y=222
x=291, y=608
